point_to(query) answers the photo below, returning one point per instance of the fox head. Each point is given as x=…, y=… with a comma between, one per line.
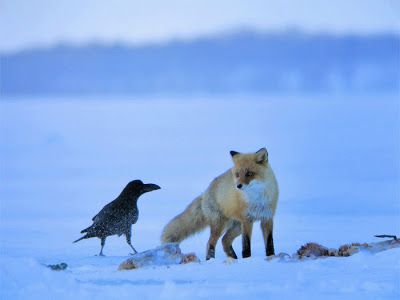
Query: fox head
x=249, y=168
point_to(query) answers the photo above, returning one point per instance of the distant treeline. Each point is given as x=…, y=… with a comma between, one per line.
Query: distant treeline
x=241, y=62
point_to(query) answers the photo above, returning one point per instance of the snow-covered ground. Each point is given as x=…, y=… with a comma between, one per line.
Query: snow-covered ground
x=337, y=160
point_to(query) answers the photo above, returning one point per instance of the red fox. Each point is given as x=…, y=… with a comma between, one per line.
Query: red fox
x=246, y=193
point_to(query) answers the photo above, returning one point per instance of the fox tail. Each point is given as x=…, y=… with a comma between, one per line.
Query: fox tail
x=190, y=221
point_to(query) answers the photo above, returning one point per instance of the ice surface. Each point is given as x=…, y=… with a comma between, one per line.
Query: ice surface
x=336, y=160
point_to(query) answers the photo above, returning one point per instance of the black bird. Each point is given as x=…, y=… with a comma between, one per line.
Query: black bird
x=118, y=216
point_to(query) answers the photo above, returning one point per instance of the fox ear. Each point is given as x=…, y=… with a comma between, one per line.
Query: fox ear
x=233, y=153
x=262, y=156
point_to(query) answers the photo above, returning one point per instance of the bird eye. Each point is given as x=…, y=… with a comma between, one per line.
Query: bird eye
x=249, y=174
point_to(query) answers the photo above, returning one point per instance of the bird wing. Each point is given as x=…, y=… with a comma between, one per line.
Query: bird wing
x=111, y=219
x=105, y=210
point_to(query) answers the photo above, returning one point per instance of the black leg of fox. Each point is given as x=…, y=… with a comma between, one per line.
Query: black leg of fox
x=128, y=240
x=246, y=251
x=267, y=229
x=210, y=252
x=247, y=228
x=270, y=245
x=103, y=242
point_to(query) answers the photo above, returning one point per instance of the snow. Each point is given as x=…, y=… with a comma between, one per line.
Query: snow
x=336, y=160
x=362, y=276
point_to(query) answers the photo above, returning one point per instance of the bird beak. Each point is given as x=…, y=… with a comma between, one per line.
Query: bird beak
x=148, y=187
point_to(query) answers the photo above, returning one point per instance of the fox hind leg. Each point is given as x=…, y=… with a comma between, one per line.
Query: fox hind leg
x=215, y=234
x=233, y=231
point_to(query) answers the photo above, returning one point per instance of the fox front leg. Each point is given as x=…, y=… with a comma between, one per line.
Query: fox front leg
x=247, y=228
x=267, y=228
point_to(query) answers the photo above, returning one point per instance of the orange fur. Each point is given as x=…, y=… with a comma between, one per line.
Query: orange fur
x=224, y=206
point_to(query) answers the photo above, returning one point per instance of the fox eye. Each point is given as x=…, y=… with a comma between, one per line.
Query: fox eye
x=249, y=174
x=237, y=174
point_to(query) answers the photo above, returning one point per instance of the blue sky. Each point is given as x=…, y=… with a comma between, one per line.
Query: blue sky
x=40, y=23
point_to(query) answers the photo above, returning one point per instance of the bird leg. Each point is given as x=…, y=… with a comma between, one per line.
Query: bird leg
x=103, y=242
x=128, y=240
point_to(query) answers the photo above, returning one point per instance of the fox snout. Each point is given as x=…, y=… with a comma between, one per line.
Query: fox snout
x=243, y=178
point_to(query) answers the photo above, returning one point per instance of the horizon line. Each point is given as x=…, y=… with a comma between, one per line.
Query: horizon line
x=181, y=39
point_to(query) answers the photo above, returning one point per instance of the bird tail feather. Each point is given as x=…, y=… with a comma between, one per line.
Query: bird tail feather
x=82, y=238
x=86, y=229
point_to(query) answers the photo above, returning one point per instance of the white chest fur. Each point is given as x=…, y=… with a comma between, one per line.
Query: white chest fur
x=258, y=199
